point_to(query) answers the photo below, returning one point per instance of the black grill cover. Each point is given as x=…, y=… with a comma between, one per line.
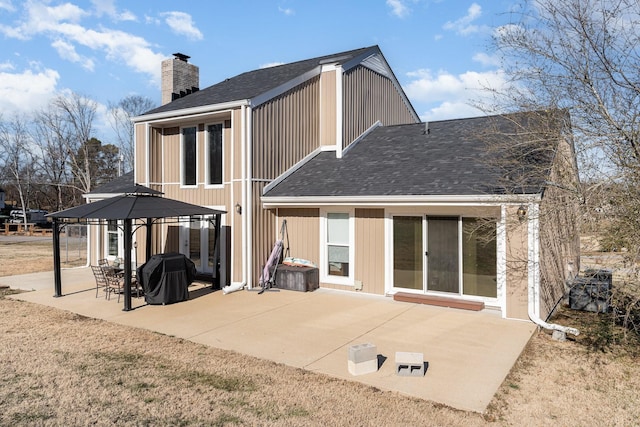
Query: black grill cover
x=165, y=278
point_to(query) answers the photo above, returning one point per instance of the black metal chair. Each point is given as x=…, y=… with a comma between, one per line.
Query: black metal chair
x=101, y=280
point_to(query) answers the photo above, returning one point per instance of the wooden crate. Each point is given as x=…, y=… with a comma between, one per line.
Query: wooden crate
x=301, y=279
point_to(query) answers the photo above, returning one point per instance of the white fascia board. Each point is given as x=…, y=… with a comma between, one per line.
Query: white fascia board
x=488, y=200
x=189, y=112
x=291, y=170
x=277, y=91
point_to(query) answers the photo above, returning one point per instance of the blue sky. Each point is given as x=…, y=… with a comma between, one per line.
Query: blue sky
x=109, y=49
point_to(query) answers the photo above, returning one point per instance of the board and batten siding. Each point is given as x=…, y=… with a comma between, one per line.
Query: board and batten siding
x=140, y=167
x=368, y=97
x=369, y=250
x=516, y=265
x=285, y=130
x=303, y=225
x=328, y=108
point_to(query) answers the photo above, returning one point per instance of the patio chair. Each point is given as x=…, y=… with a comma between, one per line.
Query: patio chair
x=103, y=262
x=101, y=279
x=115, y=282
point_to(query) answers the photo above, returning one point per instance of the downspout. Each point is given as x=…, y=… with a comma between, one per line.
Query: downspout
x=533, y=268
x=249, y=202
x=243, y=196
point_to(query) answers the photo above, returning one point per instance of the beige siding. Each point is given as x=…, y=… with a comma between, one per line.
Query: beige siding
x=517, y=271
x=285, y=130
x=303, y=227
x=559, y=231
x=328, y=108
x=236, y=238
x=155, y=156
x=141, y=153
x=369, y=250
x=171, y=155
x=368, y=97
x=263, y=233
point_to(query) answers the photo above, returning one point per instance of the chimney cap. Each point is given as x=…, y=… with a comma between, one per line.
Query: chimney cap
x=182, y=57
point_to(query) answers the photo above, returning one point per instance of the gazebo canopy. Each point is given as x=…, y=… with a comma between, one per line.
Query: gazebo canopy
x=134, y=206
x=138, y=202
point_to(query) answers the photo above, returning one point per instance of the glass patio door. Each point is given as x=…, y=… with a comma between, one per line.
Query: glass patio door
x=198, y=237
x=443, y=263
x=426, y=254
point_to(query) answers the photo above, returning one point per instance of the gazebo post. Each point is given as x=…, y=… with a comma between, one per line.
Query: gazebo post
x=127, y=264
x=148, y=245
x=57, y=277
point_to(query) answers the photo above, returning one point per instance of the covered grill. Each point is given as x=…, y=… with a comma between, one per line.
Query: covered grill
x=165, y=278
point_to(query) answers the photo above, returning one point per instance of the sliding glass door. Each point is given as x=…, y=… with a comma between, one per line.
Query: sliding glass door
x=442, y=255
x=449, y=254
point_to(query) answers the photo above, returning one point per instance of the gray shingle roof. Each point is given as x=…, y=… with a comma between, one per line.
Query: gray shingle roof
x=253, y=83
x=456, y=157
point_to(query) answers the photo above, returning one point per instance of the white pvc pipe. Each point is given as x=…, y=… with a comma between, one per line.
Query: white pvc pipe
x=232, y=288
x=534, y=274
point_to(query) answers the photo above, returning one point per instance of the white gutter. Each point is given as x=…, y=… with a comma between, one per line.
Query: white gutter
x=533, y=268
x=410, y=200
x=193, y=111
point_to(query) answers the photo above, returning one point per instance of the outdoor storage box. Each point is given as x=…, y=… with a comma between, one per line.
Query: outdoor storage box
x=301, y=279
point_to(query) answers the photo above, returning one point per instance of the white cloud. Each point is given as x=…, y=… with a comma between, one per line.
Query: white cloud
x=68, y=51
x=486, y=60
x=108, y=7
x=6, y=66
x=287, y=11
x=181, y=23
x=7, y=5
x=27, y=91
x=398, y=8
x=62, y=24
x=464, y=26
x=452, y=95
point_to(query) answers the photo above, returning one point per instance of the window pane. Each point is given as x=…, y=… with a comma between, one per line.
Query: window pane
x=338, y=228
x=189, y=156
x=214, y=175
x=112, y=238
x=408, y=255
x=479, y=257
x=338, y=257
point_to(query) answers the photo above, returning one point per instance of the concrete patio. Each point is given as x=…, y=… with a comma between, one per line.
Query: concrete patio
x=468, y=353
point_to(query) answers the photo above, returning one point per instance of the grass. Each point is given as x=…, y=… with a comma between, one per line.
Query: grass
x=58, y=368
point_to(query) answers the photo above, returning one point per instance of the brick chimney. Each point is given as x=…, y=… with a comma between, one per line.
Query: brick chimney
x=179, y=78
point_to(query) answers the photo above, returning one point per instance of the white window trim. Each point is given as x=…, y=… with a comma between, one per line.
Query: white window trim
x=120, y=233
x=324, y=274
x=206, y=156
x=499, y=301
x=182, y=170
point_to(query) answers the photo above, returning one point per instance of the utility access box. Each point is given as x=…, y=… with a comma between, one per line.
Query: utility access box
x=592, y=292
x=295, y=278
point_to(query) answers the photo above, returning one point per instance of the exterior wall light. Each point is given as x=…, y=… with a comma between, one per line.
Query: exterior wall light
x=239, y=208
x=522, y=213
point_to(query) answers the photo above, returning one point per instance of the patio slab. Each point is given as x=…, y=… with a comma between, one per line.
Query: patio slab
x=468, y=354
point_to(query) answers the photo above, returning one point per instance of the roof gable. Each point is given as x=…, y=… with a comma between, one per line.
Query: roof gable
x=251, y=84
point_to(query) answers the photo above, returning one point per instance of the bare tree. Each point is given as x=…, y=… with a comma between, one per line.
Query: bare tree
x=52, y=138
x=18, y=158
x=70, y=119
x=121, y=115
x=583, y=56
